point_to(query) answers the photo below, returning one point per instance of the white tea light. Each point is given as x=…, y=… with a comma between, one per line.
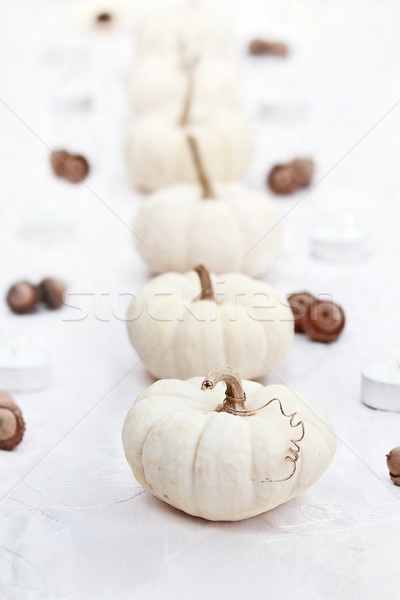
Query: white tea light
x=73, y=96
x=380, y=386
x=24, y=367
x=48, y=222
x=340, y=241
x=285, y=108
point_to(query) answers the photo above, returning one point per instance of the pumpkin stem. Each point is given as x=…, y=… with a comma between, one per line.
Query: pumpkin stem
x=189, y=68
x=207, y=292
x=235, y=396
x=204, y=181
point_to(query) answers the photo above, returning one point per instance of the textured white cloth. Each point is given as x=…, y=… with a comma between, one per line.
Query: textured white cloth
x=73, y=523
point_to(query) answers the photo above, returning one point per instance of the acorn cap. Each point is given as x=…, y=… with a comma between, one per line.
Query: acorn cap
x=12, y=425
x=326, y=321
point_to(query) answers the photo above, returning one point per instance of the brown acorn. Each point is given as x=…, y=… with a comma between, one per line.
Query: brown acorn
x=259, y=47
x=22, y=297
x=300, y=303
x=57, y=162
x=303, y=171
x=72, y=167
x=12, y=425
x=326, y=321
x=393, y=463
x=104, y=17
x=281, y=180
x=288, y=178
x=52, y=292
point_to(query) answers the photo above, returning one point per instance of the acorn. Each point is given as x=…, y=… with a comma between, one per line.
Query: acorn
x=12, y=425
x=262, y=47
x=57, y=162
x=104, y=17
x=52, y=292
x=288, y=178
x=72, y=167
x=393, y=463
x=303, y=171
x=300, y=303
x=326, y=321
x=22, y=297
x=281, y=180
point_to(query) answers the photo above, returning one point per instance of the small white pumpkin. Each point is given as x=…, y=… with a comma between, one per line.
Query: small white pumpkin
x=226, y=227
x=203, y=30
x=158, y=153
x=226, y=459
x=157, y=81
x=193, y=321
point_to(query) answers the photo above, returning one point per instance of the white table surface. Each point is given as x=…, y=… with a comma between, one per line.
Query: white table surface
x=73, y=522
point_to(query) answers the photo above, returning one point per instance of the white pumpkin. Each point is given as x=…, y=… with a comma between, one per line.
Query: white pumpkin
x=158, y=155
x=157, y=81
x=194, y=321
x=202, y=30
x=157, y=146
x=226, y=227
x=226, y=459
x=236, y=231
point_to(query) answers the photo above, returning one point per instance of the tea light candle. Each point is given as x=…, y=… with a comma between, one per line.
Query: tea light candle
x=381, y=385
x=340, y=240
x=47, y=222
x=23, y=366
x=75, y=94
x=285, y=107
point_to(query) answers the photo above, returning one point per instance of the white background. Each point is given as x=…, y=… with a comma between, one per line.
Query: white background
x=73, y=521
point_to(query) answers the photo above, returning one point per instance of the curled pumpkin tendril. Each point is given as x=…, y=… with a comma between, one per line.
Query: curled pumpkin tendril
x=294, y=455
x=234, y=404
x=294, y=452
